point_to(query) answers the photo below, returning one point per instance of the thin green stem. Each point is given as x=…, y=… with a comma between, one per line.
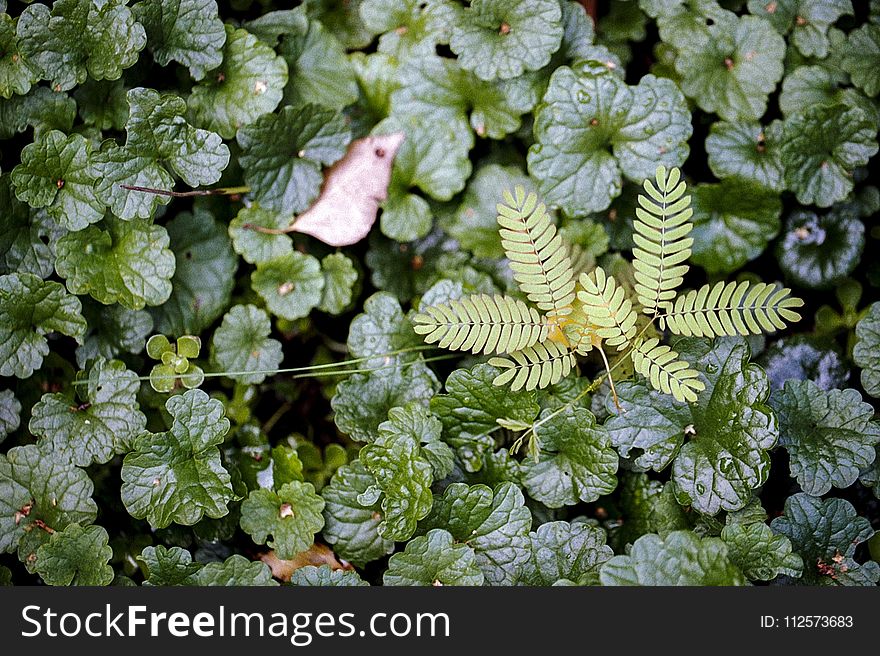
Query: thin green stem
x=220, y=191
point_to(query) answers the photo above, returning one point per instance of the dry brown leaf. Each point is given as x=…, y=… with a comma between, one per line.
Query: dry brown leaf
x=317, y=554
x=353, y=188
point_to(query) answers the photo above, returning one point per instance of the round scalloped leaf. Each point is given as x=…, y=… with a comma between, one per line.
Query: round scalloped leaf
x=746, y=150
x=408, y=28
x=805, y=21
x=104, y=420
x=434, y=559
x=102, y=104
x=866, y=353
x=681, y=558
x=282, y=155
x=292, y=516
x=733, y=223
x=819, y=85
x=577, y=461
x=248, y=84
x=860, y=57
x=168, y=566
x=29, y=309
x=125, y=262
x=242, y=344
x=291, y=284
x=761, y=554
x=826, y=533
x=829, y=435
x=177, y=476
x=325, y=577
x=818, y=252
x=255, y=246
x=565, y=554
x=16, y=74
x=10, y=413
x=504, y=38
x=27, y=239
x=235, y=570
x=340, y=281
x=592, y=129
x=112, y=330
x=821, y=148
x=76, y=556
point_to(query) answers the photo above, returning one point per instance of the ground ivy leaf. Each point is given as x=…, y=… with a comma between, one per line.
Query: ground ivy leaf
x=102, y=421
x=733, y=223
x=204, y=274
x=682, y=558
x=866, y=353
x=746, y=150
x=408, y=29
x=819, y=85
x=166, y=567
x=42, y=108
x=829, y=434
x=255, y=246
x=343, y=19
x=235, y=570
x=54, y=173
x=502, y=39
x=325, y=577
x=176, y=476
x=27, y=239
x=282, y=155
x=471, y=407
x=821, y=147
x=860, y=57
x=242, y=344
x=417, y=422
x=29, y=309
x=647, y=506
x=249, y=83
x=340, y=280
x=352, y=528
x=102, y=104
x=187, y=31
x=37, y=490
x=16, y=74
x=80, y=38
x=565, y=554
x=592, y=129
x=826, y=533
x=292, y=516
x=291, y=284
x=112, y=330
x=10, y=411
x=125, y=262
x=758, y=552
x=494, y=523
x=577, y=462
x=807, y=21
x=434, y=559
x=76, y=556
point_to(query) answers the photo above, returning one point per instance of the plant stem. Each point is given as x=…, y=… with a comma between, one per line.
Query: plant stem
x=220, y=191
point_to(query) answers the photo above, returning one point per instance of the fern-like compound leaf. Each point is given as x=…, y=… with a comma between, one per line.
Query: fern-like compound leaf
x=608, y=309
x=481, y=323
x=661, y=242
x=732, y=309
x=538, y=255
x=538, y=366
x=660, y=365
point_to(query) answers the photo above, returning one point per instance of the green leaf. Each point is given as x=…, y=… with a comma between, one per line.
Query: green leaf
x=718, y=445
x=79, y=38
x=866, y=353
x=416, y=422
x=860, y=57
x=733, y=223
x=829, y=434
x=186, y=31
x=177, y=476
x=326, y=577
x=352, y=528
x=27, y=239
x=819, y=85
x=409, y=28
x=164, y=566
x=806, y=21
x=434, y=559
x=577, y=461
x=248, y=84
x=29, y=309
x=282, y=155
x=746, y=150
x=681, y=558
x=503, y=39
x=42, y=109
x=647, y=506
x=235, y=570
x=291, y=284
x=565, y=554
x=102, y=104
x=761, y=554
x=592, y=129
x=292, y=516
x=204, y=274
x=242, y=344
x=112, y=330
x=16, y=74
x=102, y=421
x=39, y=490
x=54, y=173
x=343, y=19
x=821, y=147
x=76, y=556
x=340, y=282
x=10, y=411
x=125, y=262
x=255, y=246
x=471, y=408
x=495, y=524
x=818, y=252
x=826, y=534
